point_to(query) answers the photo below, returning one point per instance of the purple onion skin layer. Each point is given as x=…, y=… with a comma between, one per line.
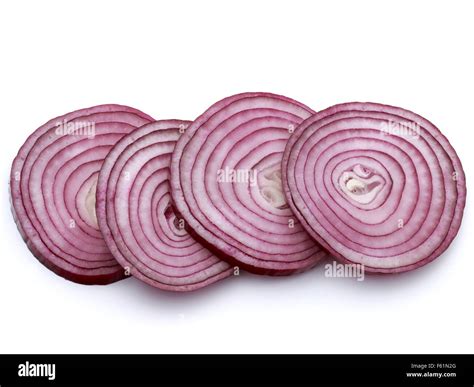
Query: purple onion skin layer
x=375, y=185
x=249, y=225
x=59, y=247
x=137, y=217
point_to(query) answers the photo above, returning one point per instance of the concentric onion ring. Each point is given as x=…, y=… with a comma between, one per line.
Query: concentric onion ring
x=53, y=183
x=137, y=218
x=376, y=185
x=226, y=183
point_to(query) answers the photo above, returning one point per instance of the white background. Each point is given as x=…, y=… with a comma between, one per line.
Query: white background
x=174, y=59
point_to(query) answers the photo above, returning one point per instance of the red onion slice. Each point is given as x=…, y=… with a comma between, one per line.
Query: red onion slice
x=53, y=184
x=136, y=215
x=376, y=185
x=226, y=183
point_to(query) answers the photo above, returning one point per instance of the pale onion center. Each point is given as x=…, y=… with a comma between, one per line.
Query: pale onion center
x=175, y=224
x=90, y=204
x=270, y=185
x=361, y=183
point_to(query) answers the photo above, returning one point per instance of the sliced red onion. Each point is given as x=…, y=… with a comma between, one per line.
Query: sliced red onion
x=53, y=184
x=376, y=185
x=137, y=218
x=226, y=183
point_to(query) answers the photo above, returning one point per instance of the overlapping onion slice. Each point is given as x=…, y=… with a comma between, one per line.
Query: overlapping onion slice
x=376, y=185
x=226, y=183
x=53, y=183
x=137, y=218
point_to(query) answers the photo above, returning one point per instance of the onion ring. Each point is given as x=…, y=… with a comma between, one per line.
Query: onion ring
x=375, y=185
x=52, y=186
x=137, y=218
x=226, y=183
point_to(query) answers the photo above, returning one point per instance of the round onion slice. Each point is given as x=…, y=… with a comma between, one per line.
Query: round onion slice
x=376, y=185
x=226, y=183
x=53, y=183
x=137, y=218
